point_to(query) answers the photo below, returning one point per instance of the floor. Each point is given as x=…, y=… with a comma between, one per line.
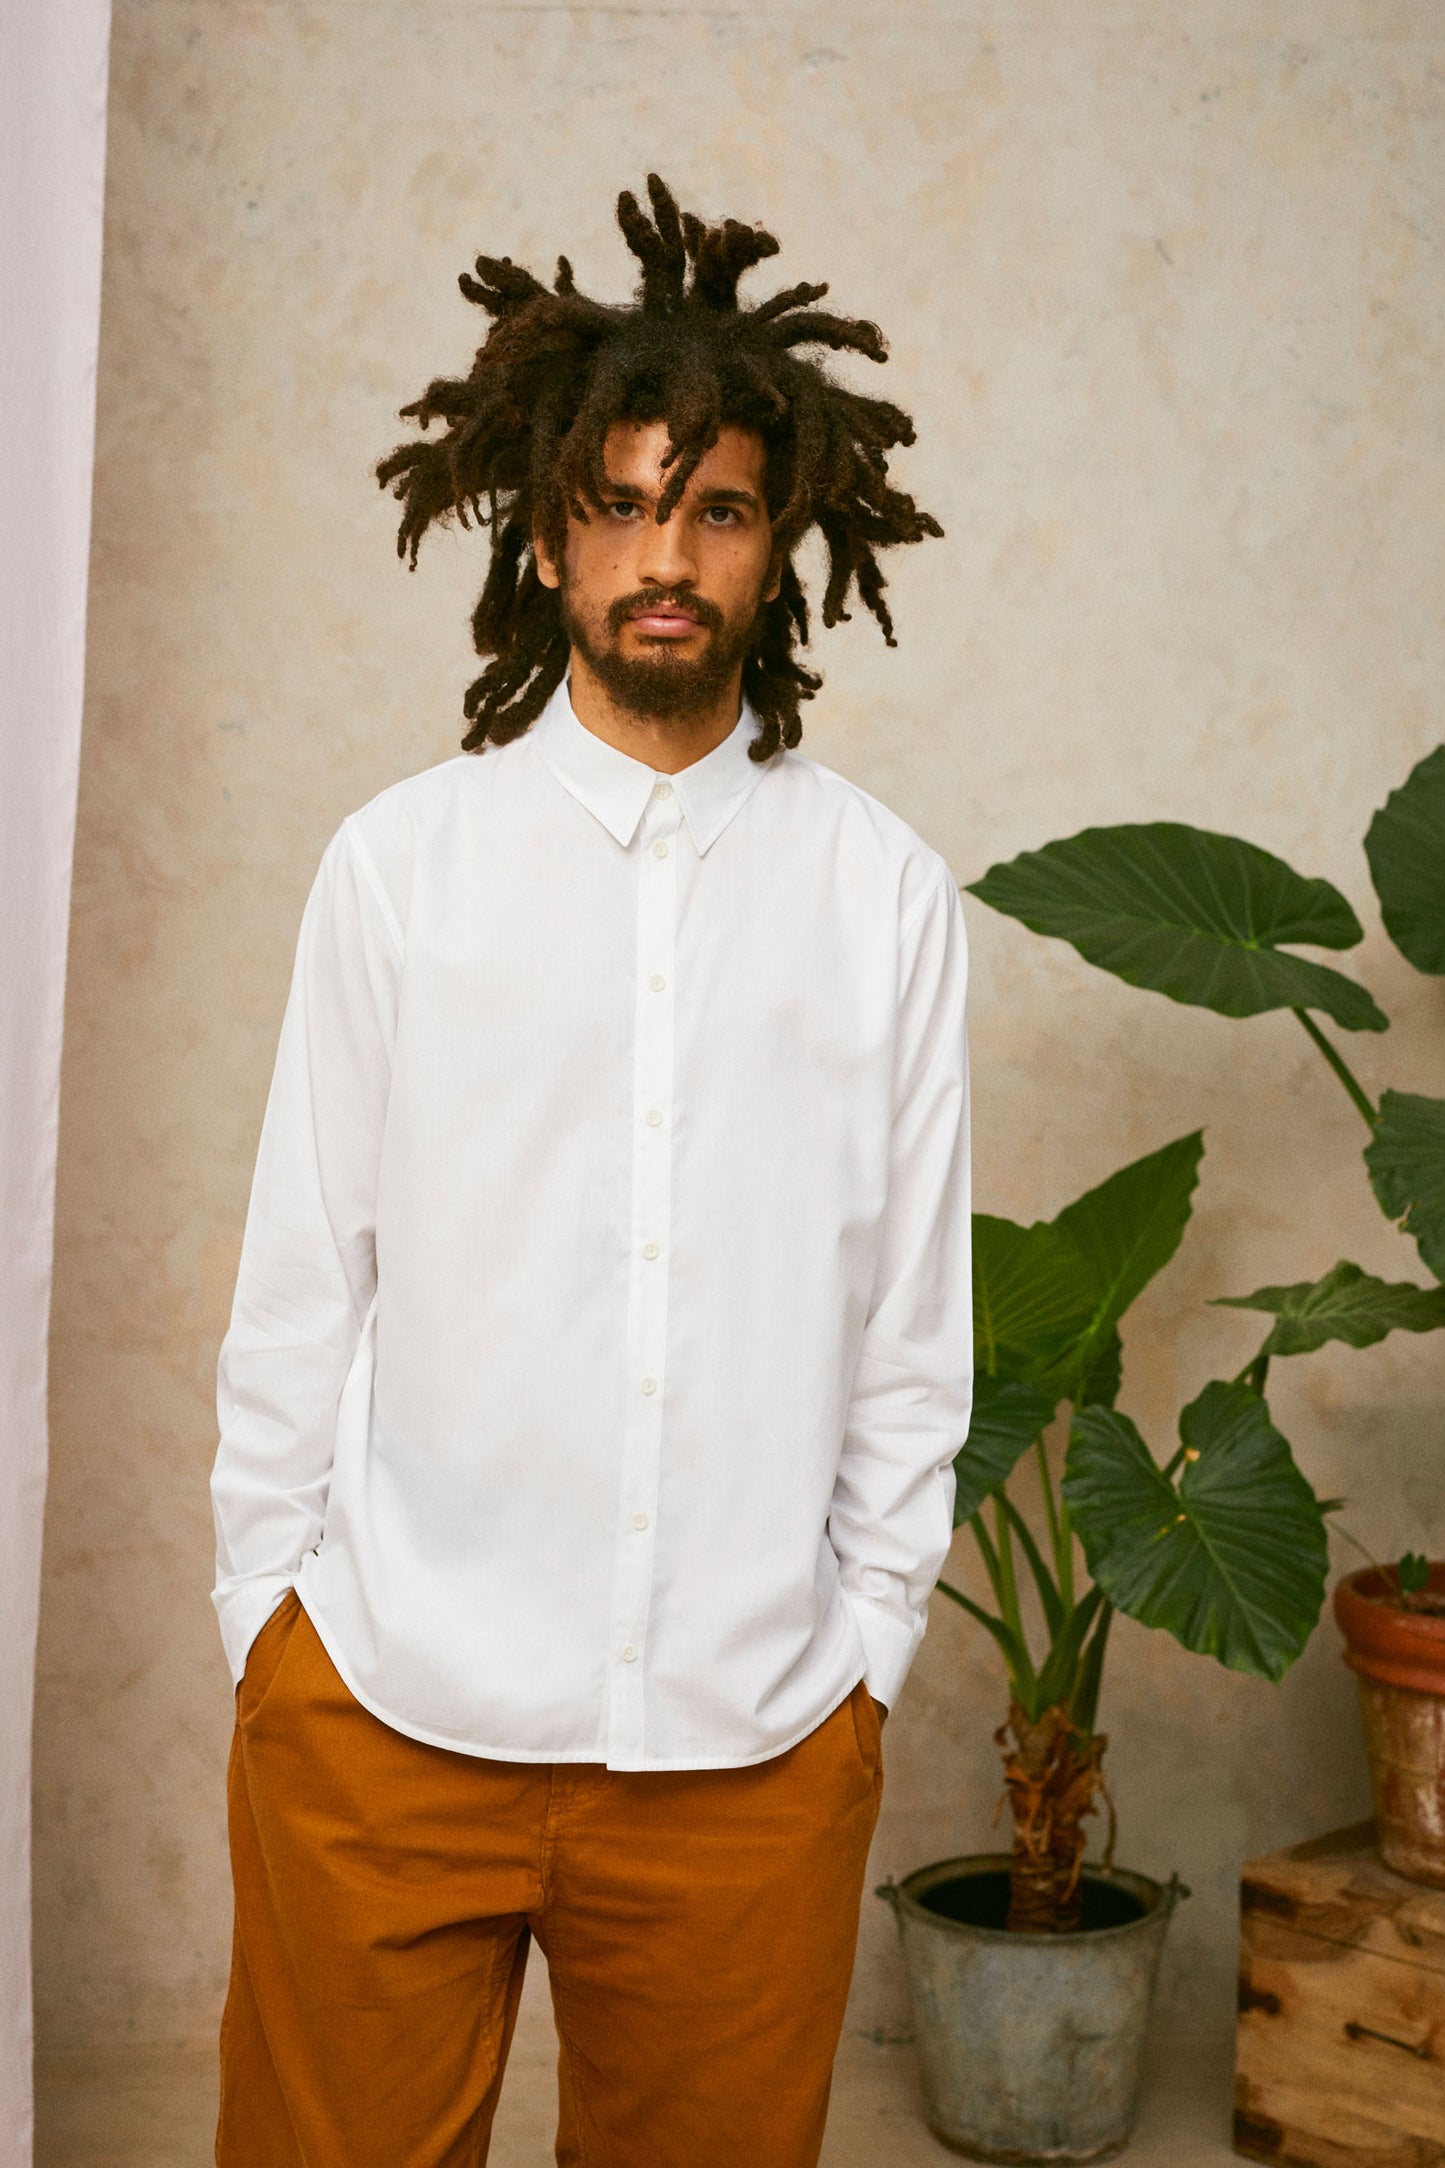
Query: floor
x=155, y=2108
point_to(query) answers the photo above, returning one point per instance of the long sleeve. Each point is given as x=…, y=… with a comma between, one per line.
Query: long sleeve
x=892, y=1509
x=308, y=1259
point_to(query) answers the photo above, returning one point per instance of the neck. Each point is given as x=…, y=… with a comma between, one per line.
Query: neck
x=667, y=743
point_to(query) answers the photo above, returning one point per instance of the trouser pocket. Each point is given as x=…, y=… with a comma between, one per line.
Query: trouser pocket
x=867, y=1730
x=265, y=1656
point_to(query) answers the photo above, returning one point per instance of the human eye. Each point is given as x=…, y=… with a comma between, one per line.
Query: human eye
x=721, y=515
x=623, y=508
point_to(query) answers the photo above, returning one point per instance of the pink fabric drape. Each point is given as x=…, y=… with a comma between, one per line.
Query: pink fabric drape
x=53, y=74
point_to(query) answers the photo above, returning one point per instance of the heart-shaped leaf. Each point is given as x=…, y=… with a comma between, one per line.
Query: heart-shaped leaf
x=1007, y=1417
x=1231, y=1562
x=1406, y=849
x=1047, y=1299
x=1347, y=1304
x=1031, y=1295
x=1187, y=913
x=1126, y=1230
x=1406, y=1159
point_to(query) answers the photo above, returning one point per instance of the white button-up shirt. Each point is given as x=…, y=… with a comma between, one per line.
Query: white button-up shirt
x=602, y=1337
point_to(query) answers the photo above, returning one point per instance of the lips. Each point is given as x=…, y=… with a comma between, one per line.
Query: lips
x=657, y=615
x=664, y=621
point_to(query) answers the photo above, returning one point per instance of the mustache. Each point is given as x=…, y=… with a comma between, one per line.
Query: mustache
x=648, y=598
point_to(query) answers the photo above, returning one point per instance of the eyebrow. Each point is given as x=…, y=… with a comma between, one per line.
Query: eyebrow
x=633, y=493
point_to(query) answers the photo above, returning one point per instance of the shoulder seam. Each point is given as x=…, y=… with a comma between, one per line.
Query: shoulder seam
x=944, y=875
x=374, y=883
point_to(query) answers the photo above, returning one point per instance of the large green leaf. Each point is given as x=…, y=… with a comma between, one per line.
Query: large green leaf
x=1031, y=1295
x=1197, y=916
x=1126, y=1230
x=1098, y=1385
x=1007, y=1416
x=1406, y=849
x=1347, y=1304
x=1232, y=1561
x=1406, y=1159
x=1047, y=1299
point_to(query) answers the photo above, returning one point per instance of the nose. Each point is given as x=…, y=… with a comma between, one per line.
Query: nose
x=665, y=557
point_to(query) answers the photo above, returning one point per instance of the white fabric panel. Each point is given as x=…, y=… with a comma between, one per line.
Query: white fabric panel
x=53, y=73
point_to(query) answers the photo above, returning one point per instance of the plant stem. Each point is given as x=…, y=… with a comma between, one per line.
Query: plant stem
x=1043, y=1581
x=1341, y=1068
x=1254, y=1372
x=1016, y=1657
x=1064, y=1556
x=1084, y=1708
x=1008, y=1580
x=1242, y=1373
x=989, y=1556
x=1341, y=1530
x=1046, y=1485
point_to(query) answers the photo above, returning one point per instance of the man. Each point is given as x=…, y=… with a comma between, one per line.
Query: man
x=601, y=1342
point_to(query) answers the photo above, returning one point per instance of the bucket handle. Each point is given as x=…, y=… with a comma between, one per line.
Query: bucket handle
x=1174, y=1893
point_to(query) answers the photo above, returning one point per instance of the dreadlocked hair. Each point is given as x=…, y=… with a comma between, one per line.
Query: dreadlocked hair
x=525, y=432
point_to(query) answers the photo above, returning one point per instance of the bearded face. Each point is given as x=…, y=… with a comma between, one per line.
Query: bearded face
x=662, y=615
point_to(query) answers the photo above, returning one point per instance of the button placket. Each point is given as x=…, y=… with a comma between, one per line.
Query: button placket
x=656, y=847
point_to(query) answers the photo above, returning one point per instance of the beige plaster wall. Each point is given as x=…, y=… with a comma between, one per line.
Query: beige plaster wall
x=1163, y=285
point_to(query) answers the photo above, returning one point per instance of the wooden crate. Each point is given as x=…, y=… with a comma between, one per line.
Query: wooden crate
x=1340, y=2058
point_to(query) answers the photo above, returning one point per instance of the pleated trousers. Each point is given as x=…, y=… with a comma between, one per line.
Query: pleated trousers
x=698, y=1926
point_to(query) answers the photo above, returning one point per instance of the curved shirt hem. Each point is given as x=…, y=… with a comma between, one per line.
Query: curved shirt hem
x=522, y=1754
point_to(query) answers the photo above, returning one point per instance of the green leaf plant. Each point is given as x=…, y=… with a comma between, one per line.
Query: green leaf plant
x=1223, y=1545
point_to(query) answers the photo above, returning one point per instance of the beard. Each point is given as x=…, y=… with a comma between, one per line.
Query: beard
x=660, y=684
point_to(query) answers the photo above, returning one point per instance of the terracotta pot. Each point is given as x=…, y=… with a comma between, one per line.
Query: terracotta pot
x=1399, y=1657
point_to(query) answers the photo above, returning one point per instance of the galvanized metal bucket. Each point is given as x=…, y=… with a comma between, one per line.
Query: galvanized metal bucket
x=1031, y=2045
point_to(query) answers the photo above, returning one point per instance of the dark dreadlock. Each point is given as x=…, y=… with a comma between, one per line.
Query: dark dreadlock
x=526, y=429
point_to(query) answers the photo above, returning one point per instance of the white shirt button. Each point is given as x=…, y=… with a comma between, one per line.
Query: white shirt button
x=659, y=848
x=657, y=982
x=628, y=1653
x=654, y=1117
x=662, y=788
x=639, y=1520
x=649, y=1385
x=649, y=1250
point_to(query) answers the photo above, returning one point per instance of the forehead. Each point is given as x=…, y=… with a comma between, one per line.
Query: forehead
x=634, y=451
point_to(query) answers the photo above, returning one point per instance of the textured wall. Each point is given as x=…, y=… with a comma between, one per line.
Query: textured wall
x=1163, y=289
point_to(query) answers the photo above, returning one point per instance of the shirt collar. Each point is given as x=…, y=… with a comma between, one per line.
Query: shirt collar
x=615, y=788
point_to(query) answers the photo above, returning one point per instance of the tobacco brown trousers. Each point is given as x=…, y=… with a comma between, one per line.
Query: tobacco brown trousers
x=699, y=1929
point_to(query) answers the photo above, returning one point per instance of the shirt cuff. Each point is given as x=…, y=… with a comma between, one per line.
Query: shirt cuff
x=889, y=1647
x=243, y=1608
